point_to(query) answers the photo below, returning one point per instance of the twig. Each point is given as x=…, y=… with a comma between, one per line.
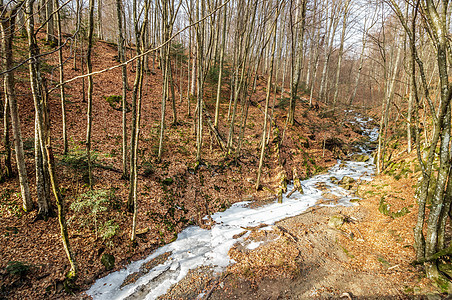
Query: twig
x=144, y=53
x=291, y=192
x=215, y=285
x=285, y=231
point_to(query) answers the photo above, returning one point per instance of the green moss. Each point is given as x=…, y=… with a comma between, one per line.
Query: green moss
x=115, y=101
x=347, y=252
x=168, y=181
x=384, y=208
x=108, y=261
x=383, y=261
x=17, y=268
x=443, y=284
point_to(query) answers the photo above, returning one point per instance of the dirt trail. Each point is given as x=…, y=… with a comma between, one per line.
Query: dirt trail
x=306, y=257
x=323, y=265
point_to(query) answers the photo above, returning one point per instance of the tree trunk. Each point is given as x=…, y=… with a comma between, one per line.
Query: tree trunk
x=100, y=32
x=50, y=37
x=8, y=27
x=220, y=75
x=89, y=113
x=73, y=272
x=341, y=52
x=385, y=113
x=140, y=33
x=6, y=140
x=121, y=44
x=60, y=61
x=41, y=160
x=297, y=61
x=267, y=98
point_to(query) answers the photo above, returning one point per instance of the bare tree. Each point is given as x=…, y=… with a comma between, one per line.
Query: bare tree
x=267, y=98
x=89, y=68
x=121, y=56
x=297, y=57
x=8, y=19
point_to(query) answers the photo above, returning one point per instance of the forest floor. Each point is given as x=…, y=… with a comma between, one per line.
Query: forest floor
x=174, y=193
x=369, y=254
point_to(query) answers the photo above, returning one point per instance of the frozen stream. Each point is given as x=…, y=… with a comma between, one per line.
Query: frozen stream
x=197, y=247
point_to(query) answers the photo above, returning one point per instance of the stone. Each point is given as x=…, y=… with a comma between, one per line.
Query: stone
x=360, y=157
x=336, y=221
x=346, y=182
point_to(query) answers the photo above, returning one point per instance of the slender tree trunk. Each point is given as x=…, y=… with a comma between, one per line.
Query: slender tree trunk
x=297, y=61
x=50, y=24
x=140, y=34
x=136, y=114
x=77, y=35
x=220, y=75
x=121, y=44
x=360, y=65
x=8, y=28
x=41, y=159
x=6, y=139
x=60, y=61
x=173, y=94
x=385, y=113
x=200, y=80
x=341, y=53
x=89, y=67
x=100, y=32
x=73, y=272
x=333, y=23
x=243, y=51
x=267, y=100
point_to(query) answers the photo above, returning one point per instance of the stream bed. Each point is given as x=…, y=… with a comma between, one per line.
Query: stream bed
x=152, y=277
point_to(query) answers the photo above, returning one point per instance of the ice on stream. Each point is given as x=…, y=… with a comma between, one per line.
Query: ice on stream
x=197, y=247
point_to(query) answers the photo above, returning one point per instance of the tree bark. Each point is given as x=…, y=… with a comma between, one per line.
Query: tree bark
x=267, y=98
x=60, y=61
x=41, y=159
x=297, y=61
x=89, y=113
x=220, y=75
x=8, y=28
x=121, y=56
x=6, y=140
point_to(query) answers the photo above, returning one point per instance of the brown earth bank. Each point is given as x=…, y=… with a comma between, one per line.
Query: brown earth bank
x=175, y=192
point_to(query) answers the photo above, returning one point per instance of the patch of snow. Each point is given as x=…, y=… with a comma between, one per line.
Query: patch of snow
x=197, y=247
x=254, y=245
